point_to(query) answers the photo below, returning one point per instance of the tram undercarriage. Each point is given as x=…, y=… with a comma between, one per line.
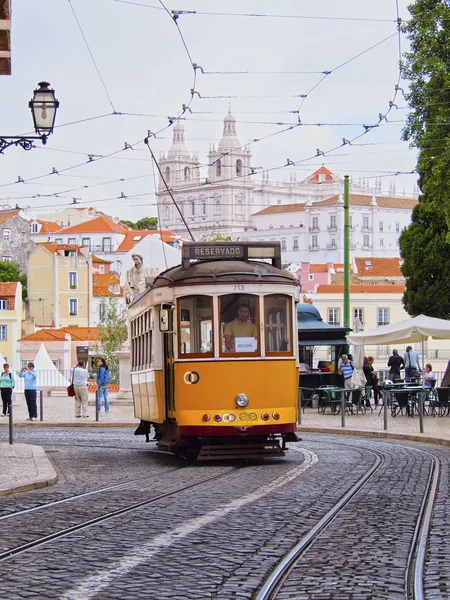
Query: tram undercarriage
x=242, y=443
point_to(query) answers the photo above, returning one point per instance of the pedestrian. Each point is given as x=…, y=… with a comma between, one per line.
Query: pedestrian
x=80, y=377
x=7, y=384
x=395, y=364
x=346, y=368
x=412, y=364
x=102, y=384
x=428, y=377
x=374, y=380
x=29, y=374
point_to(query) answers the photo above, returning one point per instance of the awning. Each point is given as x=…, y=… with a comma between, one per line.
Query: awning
x=321, y=342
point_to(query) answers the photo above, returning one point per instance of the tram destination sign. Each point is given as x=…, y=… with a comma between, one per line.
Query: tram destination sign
x=231, y=252
x=205, y=251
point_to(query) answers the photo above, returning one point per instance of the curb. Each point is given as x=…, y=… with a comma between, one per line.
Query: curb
x=46, y=474
x=377, y=434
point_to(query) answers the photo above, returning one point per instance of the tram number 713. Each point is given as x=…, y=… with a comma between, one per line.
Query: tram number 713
x=238, y=288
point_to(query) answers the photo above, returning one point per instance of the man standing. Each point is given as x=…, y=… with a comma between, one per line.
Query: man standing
x=30, y=376
x=346, y=369
x=80, y=378
x=241, y=327
x=412, y=363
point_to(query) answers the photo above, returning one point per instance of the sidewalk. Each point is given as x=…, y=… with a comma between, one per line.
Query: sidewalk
x=59, y=410
x=26, y=467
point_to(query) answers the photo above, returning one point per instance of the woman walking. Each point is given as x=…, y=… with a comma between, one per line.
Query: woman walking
x=102, y=384
x=7, y=383
x=30, y=376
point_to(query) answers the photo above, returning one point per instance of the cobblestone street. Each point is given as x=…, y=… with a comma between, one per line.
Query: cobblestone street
x=220, y=538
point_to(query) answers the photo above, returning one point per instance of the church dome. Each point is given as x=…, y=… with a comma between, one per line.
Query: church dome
x=178, y=149
x=229, y=139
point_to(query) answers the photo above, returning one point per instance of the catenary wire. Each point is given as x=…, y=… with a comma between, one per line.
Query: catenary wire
x=91, y=55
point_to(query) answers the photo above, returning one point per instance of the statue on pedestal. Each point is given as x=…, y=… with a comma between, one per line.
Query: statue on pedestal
x=138, y=278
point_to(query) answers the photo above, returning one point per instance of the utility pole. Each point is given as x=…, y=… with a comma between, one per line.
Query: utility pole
x=347, y=253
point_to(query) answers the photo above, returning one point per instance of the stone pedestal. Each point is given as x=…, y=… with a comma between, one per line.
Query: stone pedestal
x=124, y=356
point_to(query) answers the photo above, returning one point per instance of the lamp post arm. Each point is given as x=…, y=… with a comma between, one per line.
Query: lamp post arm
x=25, y=142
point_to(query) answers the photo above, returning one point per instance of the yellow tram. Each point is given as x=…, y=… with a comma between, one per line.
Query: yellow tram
x=214, y=352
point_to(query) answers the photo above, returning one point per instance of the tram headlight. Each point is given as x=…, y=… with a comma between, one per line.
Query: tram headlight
x=241, y=400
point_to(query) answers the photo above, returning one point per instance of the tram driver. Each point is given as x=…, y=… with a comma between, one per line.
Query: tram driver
x=238, y=329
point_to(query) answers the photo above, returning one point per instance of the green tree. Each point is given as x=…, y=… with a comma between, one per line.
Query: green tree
x=216, y=237
x=147, y=223
x=424, y=245
x=427, y=263
x=113, y=332
x=10, y=271
x=129, y=223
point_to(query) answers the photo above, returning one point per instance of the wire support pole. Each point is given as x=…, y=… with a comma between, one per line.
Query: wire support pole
x=146, y=142
x=346, y=252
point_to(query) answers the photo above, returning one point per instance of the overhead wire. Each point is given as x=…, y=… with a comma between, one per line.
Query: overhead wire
x=290, y=127
x=264, y=15
x=92, y=56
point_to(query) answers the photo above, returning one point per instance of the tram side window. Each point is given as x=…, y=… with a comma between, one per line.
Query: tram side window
x=277, y=311
x=141, y=342
x=195, y=326
x=239, y=323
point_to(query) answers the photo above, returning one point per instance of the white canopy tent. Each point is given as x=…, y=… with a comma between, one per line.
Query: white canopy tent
x=358, y=378
x=48, y=375
x=417, y=329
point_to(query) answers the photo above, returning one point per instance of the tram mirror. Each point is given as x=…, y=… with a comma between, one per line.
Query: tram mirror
x=164, y=319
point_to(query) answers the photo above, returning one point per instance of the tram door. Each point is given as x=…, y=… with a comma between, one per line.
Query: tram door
x=166, y=320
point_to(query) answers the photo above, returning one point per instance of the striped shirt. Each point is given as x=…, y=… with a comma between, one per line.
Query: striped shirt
x=347, y=369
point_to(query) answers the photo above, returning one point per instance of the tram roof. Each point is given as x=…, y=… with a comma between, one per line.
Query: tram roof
x=222, y=271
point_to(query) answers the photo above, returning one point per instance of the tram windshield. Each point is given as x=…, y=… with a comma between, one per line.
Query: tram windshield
x=195, y=325
x=277, y=315
x=239, y=323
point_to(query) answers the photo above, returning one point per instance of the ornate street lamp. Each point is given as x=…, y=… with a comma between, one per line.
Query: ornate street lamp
x=43, y=108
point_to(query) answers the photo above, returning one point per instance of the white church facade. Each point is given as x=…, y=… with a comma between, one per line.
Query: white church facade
x=306, y=216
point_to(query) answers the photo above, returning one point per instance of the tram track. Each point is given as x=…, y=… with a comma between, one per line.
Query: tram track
x=11, y=552
x=109, y=488
x=414, y=573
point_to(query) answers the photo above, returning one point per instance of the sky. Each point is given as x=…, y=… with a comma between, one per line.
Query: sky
x=120, y=68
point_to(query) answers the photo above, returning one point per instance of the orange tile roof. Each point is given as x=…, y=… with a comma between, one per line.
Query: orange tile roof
x=379, y=267
x=281, y=208
x=6, y=215
x=355, y=200
x=128, y=243
x=314, y=178
x=318, y=268
x=54, y=248
x=98, y=259
x=54, y=335
x=101, y=224
x=8, y=290
x=48, y=226
x=365, y=288
x=103, y=281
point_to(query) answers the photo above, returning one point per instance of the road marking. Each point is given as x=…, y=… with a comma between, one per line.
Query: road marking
x=101, y=580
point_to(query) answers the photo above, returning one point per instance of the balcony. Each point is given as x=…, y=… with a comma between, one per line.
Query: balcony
x=314, y=228
x=332, y=228
x=96, y=249
x=366, y=229
x=331, y=246
x=313, y=248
